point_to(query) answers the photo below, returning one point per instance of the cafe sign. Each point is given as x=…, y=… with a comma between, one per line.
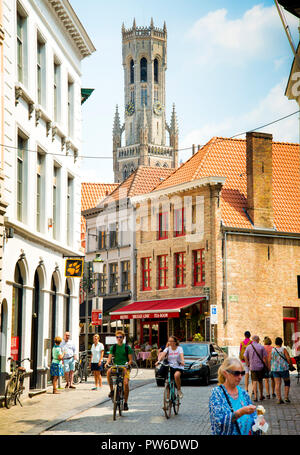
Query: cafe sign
x=144, y=316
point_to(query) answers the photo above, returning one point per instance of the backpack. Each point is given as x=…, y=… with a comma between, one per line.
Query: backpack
x=126, y=350
x=243, y=349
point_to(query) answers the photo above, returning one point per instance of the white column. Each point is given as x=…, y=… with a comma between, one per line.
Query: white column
x=26, y=324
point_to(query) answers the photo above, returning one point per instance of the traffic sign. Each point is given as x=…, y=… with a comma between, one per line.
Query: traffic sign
x=213, y=314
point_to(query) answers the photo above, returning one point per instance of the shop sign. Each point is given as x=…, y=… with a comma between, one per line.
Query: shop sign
x=96, y=317
x=14, y=352
x=145, y=316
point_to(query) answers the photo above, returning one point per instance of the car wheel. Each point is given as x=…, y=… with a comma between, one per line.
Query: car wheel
x=205, y=379
x=160, y=383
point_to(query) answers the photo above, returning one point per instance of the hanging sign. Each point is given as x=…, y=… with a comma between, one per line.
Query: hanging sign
x=96, y=317
x=74, y=268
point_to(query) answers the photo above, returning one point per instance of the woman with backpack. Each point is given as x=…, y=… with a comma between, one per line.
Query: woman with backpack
x=279, y=363
x=243, y=346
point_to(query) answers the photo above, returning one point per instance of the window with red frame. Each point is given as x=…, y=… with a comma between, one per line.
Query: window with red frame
x=198, y=267
x=162, y=225
x=179, y=222
x=162, y=271
x=146, y=274
x=180, y=264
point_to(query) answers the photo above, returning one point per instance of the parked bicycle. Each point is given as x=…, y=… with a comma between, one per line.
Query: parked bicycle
x=14, y=388
x=118, y=388
x=81, y=368
x=171, y=398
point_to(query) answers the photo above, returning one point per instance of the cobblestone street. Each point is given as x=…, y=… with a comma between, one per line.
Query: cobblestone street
x=85, y=412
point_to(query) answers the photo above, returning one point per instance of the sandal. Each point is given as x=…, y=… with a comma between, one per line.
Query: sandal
x=55, y=391
x=280, y=401
x=268, y=396
x=287, y=400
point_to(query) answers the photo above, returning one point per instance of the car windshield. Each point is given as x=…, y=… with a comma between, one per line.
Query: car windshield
x=195, y=350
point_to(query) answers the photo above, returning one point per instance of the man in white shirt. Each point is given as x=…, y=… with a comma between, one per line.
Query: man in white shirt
x=69, y=353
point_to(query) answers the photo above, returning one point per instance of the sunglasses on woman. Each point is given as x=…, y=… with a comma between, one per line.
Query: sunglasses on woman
x=119, y=337
x=236, y=373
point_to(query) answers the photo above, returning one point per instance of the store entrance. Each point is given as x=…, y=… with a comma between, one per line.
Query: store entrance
x=290, y=330
x=155, y=332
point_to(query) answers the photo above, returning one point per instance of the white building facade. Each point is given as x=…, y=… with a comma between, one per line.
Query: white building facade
x=44, y=46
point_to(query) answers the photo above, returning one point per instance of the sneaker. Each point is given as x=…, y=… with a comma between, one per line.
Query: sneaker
x=111, y=394
x=180, y=394
x=268, y=396
x=287, y=400
x=280, y=401
x=94, y=388
x=125, y=407
x=273, y=395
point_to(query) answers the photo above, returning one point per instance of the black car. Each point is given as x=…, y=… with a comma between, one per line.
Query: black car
x=201, y=362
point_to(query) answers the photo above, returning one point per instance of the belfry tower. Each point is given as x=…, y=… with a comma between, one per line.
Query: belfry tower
x=144, y=52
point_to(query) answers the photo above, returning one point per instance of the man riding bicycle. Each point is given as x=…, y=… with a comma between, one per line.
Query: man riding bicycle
x=122, y=354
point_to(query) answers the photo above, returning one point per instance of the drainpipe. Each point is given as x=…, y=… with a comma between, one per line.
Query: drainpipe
x=225, y=308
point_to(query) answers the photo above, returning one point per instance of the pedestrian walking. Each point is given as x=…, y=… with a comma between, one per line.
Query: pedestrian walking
x=280, y=362
x=256, y=359
x=56, y=368
x=268, y=347
x=230, y=408
x=243, y=346
x=69, y=353
x=97, y=361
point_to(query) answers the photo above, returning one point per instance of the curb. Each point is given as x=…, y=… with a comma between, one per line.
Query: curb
x=39, y=429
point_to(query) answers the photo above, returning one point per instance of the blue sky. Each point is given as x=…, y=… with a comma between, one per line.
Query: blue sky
x=228, y=65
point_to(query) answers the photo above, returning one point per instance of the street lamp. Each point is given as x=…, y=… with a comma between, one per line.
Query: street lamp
x=87, y=282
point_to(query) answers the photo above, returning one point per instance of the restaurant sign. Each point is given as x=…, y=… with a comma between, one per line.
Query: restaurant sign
x=144, y=316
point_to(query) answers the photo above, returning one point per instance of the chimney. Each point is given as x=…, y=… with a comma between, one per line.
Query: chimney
x=259, y=179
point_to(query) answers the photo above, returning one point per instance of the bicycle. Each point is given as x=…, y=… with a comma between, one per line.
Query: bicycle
x=171, y=398
x=81, y=368
x=14, y=387
x=118, y=388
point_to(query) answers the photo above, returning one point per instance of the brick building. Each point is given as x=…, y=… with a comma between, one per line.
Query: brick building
x=226, y=225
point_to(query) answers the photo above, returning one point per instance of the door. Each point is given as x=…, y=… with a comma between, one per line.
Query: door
x=290, y=332
x=34, y=331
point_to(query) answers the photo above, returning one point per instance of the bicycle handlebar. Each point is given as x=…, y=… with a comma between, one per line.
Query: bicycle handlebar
x=18, y=361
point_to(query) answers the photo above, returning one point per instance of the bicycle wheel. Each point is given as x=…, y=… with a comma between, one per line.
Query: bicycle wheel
x=167, y=401
x=134, y=370
x=115, y=405
x=176, y=403
x=76, y=376
x=10, y=395
x=120, y=401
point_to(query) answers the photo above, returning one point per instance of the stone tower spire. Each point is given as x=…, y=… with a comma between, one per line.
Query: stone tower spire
x=117, y=133
x=173, y=130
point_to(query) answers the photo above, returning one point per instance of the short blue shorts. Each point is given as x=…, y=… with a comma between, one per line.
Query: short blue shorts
x=281, y=374
x=69, y=365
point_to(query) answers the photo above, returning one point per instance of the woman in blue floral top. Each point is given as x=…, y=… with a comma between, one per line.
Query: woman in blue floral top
x=230, y=407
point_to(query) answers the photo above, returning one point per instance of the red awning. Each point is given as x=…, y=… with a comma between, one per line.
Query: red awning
x=154, y=309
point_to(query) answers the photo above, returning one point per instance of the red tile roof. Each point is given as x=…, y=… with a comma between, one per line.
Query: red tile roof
x=141, y=181
x=224, y=157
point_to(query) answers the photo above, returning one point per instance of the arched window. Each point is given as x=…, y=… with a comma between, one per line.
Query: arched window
x=131, y=72
x=156, y=71
x=157, y=164
x=143, y=65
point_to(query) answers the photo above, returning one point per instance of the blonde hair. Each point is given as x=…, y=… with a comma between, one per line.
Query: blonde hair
x=120, y=332
x=96, y=336
x=57, y=340
x=228, y=362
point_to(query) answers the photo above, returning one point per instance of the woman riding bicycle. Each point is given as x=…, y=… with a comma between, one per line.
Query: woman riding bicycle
x=175, y=359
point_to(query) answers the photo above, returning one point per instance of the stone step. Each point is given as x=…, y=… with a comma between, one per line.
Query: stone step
x=34, y=392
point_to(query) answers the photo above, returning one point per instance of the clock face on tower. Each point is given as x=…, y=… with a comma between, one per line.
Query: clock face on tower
x=157, y=108
x=129, y=109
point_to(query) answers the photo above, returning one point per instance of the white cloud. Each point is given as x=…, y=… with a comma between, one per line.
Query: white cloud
x=218, y=39
x=274, y=106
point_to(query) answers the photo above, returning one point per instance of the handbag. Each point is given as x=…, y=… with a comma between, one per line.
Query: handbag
x=291, y=366
x=265, y=369
x=231, y=409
